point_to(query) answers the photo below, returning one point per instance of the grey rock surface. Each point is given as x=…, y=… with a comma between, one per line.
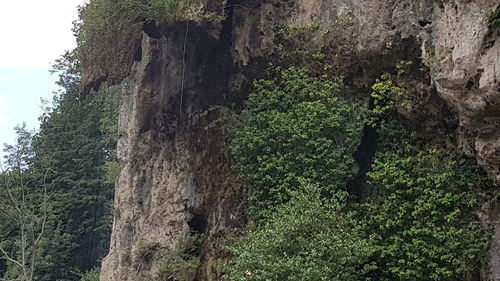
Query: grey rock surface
x=174, y=167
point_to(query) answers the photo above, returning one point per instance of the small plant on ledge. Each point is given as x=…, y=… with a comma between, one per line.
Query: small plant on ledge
x=493, y=18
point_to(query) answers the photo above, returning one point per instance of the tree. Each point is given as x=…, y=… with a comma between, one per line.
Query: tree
x=78, y=136
x=23, y=211
x=19, y=155
x=57, y=190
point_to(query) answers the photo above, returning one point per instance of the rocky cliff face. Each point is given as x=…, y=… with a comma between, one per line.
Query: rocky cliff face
x=175, y=180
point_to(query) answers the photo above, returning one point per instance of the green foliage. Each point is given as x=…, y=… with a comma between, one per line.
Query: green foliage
x=108, y=101
x=18, y=156
x=308, y=238
x=145, y=249
x=493, y=18
x=297, y=45
x=91, y=275
x=422, y=216
x=163, y=11
x=103, y=15
x=294, y=130
x=289, y=31
x=319, y=56
x=178, y=269
x=182, y=263
x=402, y=66
x=386, y=97
x=74, y=147
x=69, y=158
x=293, y=147
x=23, y=210
x=108, y=20
x=417, y=223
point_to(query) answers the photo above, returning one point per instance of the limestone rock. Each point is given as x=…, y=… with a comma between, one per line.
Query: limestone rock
x=174, y=166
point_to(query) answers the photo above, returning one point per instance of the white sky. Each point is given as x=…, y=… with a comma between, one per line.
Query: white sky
x=33, y=34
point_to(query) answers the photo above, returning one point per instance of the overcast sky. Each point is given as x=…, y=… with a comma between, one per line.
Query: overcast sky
x=33, y=34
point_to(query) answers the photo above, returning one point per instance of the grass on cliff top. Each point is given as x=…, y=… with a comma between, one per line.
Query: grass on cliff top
x=99, y=17
x=105, y=20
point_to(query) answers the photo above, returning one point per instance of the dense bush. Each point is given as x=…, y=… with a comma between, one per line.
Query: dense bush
x=295, y=129
x=423, y=213
x=293, y=147
x=308, y=238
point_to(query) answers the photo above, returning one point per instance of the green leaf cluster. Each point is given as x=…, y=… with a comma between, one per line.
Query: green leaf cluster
x=91, y=275
x=293, y=147
x=423, y=213
x=76, y=146
x=181, y=263
x=99, y=16
x=386, y=96
x=493, y=18
x=290, y=31
x=295, y=129
x=309, y=238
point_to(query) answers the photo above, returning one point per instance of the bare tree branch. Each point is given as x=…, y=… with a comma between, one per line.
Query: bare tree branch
x=6, y=256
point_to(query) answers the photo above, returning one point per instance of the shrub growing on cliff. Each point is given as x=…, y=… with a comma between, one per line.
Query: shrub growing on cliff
x=295, y=129
x=92, y=275
x=423, y=216
x=493, y=18
x=419, y=222
x=386, y=97
x=307, y=239
x=182, y=262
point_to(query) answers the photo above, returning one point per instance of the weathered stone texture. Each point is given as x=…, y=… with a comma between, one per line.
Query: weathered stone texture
x=174, y=167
